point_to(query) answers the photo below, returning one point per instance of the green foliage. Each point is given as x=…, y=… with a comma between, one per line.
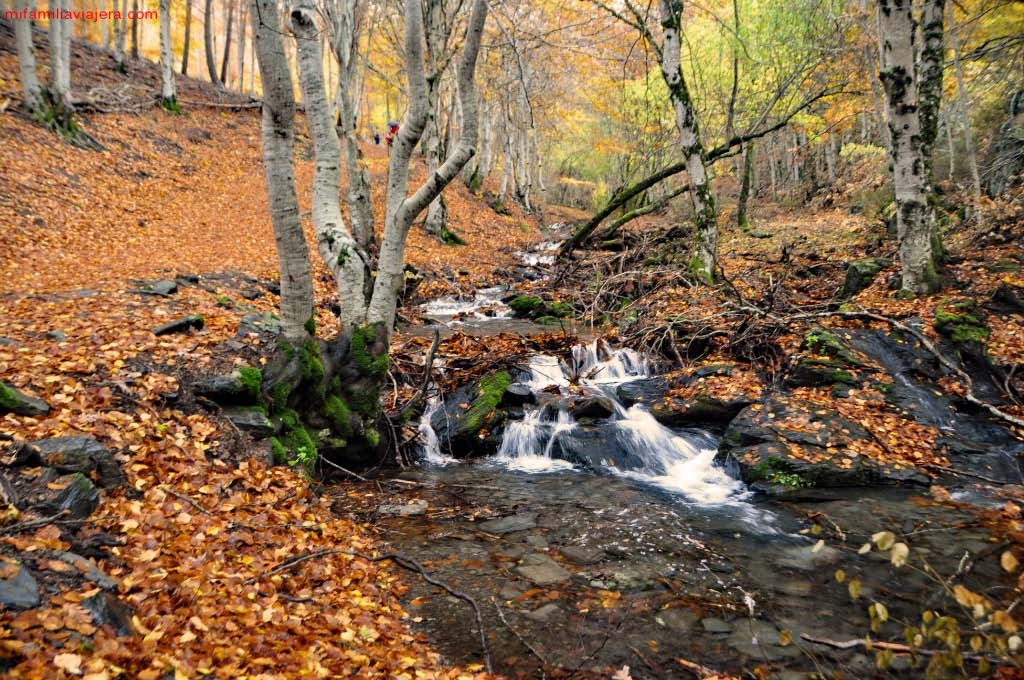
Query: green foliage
x=171, y=105
x=365, y=402
x=310, y=325
x=279, y=451
x=560, y=309
x=300, y=447
x=373, y=437
x=774, y=470
x=338, y=414
x=361, y=346
x=251, y=379
x=450, y=238
x=279, y=394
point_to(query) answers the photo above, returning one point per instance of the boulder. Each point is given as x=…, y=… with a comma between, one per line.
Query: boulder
x=79, y=498
x=645, y=391
x=250, y=420
x=20, y=590
x=592, y=407
x=1007, y=299
x=13, y=401
x=466, y=419
x=702, y=410
x=861, y=273
x=108, y=610
x=239, y=388
x=259, y=323
x=81, y=454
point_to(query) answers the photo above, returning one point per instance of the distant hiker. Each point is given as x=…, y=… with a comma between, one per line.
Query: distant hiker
x=376, y=138
x=392, y=132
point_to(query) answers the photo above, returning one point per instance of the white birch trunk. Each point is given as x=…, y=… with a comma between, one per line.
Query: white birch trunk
x=402, y=210
x=168, y=93
x=910, y=182
x=338, y=248
x=278, y=142
x=32, y=93
x=59, y=71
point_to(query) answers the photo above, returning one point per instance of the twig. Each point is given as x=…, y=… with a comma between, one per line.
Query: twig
x=216, y=105
x=943, y=468
x=522, y=640
x=186, y=499
x=402, y=561
x=698, y=670
x=33, y=523
x=428, y=364
x=896, y=647
x=347, y=472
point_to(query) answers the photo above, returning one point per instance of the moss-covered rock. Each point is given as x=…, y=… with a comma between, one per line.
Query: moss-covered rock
x=339, y=415
x=861, y=273
x=369, y=350
x=527, y=307
x=252, y=380
x=311, y=362
x=961, y=322
x=13, y=401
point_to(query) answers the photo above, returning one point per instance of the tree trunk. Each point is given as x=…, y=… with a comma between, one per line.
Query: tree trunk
x=243, y=10
x=135, y=30
x=227, y=45
x=188, y=35
x=60, y=79
x=278, y=143
x=748, y=172
x=168, y=94
x=704, y=248
x=211, y=63
x=32, y=93
x=910, y=168
x=104, y=27
x=120, y=31
x=965, y=120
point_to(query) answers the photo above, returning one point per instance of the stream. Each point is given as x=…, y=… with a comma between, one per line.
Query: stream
x=597, y=538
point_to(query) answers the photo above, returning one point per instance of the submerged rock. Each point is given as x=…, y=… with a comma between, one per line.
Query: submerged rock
x=541, y=570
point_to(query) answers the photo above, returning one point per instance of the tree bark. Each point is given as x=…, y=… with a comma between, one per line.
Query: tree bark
x=227, y=44
x=135, y=30
x=168, y=93
x=60, y=70
x=120, y=32
x=910, y=168
x=278, y=142
x=704, y=247
x=243, y=10
x=32, y=93
x=188, y=35
x=748, y=172
x=965, y=120
x=211, y=63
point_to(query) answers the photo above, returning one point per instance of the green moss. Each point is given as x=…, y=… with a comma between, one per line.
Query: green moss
x=823, y=343
x=560, y=309
x=775, y=470
x=491, y=388
x=366, y=402
x=338, y=414
x=699, y=269
x=252, y=379
x=548, y=320
x=450, y=238
x=279, y=451
x=527, y=306
x=373, y=437
x=961, y=323
x=310, y=325
x=8, y=397
x=251, y=409
x=288, y=350
x=790, y=479
x=171, y=105
x=298, y=444
x=279, y=394
x=309, y=358
x=363, y=339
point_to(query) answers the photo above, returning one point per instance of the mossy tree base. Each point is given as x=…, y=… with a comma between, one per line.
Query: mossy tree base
x=326, y=395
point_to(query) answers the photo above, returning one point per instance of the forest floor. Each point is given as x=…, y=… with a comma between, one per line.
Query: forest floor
x=209, y=545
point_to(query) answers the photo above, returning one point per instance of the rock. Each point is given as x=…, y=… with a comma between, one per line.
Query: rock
x=86, y=567
x=511, y=590
x=251, y=421
x=713, y=624
x=645, y=391
x=512, y=523
x=518, y=395
x=470, y=410
x=258, y=323
x=678, y=619
x=806, y=558
x=240, y=388
x=760, y=639
x=582, y=554
x=109, y=610
x=1007, y=299
x=20, y=591
x=536, y=541
x=58, y=335
x=545, y=613
x=592, y=407
x=79, y=498
x=162, y=288
x=527, y=307
x=861, y=273
x=13, y=401
x=84, y=455
x=21, y=453
x=541, y=570
x=816, y=372
x=702, y=410
x=182, y=325
x=416, y=507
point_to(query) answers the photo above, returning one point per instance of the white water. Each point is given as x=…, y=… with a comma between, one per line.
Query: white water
x=431, y=448
x=485, y=304
x=664, y=458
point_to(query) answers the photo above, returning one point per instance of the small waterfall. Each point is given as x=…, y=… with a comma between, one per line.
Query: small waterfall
x=630, y=443
x=431, y=446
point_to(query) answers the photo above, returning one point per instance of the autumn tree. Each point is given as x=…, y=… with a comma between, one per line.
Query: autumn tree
x=911, y=76
x=168, y=93
x=333, y=387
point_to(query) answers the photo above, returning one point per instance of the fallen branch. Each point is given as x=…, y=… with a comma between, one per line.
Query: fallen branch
x=186, y=499
x=702, y=672
x=33, y=523
x=896, y=647
x=218, y=105
x=402, y=561
x=963, y=473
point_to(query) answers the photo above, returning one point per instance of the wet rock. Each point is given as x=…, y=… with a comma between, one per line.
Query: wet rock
x=817, y=372
x=79, y=498
x=512, y=523
x=251, y=421
x=82, y=454
x=417, y=507
x=861, y=273
x=645, y=391
x=1007, y=299
x=541, y=570
x=713, y=624
x=182, y=325
x=582, y=554
x=20, y=591
x=518, y=395
x=592, y=407
x=109, y=610
x=806, y=558
x=678, y=619
x=536, y=541
x=470, y=410
x=545, y=613
x=760, y=639
x=13, y=401
x=511, y=590
x=702, y=410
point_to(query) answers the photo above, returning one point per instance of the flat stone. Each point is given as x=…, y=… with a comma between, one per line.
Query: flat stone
x=164, y=288
x=678, y=619
x=510, y=591
x=803, y=558
x=182, y=325
x=13, y=401
x=82, y=454
x=537, y=541
x=544, y=614
x=253, y=422
x=760, y=639
x=20, y=591
x=417, y=507
x=541, y=570
x=582, y=554
x=713, y=624
x=507, y=525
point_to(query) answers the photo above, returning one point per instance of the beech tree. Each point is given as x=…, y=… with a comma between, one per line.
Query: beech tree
x=168, y=93
x=333, y=388
x=912, y=80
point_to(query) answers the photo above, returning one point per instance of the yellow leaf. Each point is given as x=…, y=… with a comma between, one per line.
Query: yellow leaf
x=785, y=637
x=1009, y=562
x=864, y=549
x=818, y=546
x=148, y=555
x=1004, y=620
x=899, y=554
x=854, y=588
x=883, y=539
x=840, y=575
